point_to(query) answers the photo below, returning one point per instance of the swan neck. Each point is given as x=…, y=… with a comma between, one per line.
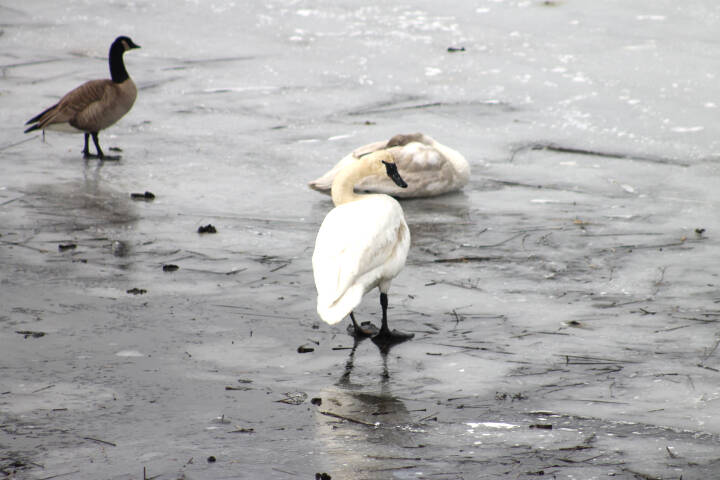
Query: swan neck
x=343, y=186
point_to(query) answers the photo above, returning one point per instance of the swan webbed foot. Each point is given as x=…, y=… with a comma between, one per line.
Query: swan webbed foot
x=386, y=338
x=362, y=330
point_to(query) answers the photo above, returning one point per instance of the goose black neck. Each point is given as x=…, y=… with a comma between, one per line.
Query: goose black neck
x=117, y=66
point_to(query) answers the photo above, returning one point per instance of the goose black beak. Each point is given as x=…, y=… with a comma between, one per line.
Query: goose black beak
x=393, y=173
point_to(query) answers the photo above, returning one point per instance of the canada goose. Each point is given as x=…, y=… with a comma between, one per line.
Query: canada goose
x=362, y=244
x=94, y=105
x=430, y=168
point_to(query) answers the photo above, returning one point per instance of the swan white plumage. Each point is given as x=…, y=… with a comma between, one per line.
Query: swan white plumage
x=362, y=244
x=429, y=167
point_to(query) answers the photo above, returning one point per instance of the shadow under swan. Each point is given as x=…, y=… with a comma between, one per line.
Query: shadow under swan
x=367, y=432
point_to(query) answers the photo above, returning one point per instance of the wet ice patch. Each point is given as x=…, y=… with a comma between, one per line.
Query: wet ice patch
x=250, y=353
x=340, y=137
x=129, y=353
x=652, y=18
x=28, y=397
x=693, y=129
x=491, y=425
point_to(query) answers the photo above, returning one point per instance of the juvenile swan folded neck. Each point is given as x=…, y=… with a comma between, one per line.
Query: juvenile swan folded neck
x=94, y=105
x=344, y=183
x=429, y=167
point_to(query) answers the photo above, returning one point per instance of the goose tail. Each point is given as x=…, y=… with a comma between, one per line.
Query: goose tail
x=38, y=119
x=34, y=127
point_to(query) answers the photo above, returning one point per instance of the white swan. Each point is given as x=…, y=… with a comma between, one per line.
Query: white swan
x=362, y=244
x=429, y=167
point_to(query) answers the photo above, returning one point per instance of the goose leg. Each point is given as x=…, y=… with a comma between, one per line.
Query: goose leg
x=86, y=150
x=364, y=330
x=100, y=153
x=386, y=337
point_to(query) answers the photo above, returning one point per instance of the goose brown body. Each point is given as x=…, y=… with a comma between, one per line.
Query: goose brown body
x=94, y=105
x=91, y=107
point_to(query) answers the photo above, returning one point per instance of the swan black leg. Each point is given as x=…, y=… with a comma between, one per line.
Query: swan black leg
x=387, y=338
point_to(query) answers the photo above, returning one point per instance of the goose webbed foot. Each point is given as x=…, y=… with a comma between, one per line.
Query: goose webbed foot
x=100, y=156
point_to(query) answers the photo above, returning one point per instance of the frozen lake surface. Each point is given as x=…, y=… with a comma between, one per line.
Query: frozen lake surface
x=565, y=304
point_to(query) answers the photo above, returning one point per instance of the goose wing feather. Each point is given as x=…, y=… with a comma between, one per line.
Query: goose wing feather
x=79, y=107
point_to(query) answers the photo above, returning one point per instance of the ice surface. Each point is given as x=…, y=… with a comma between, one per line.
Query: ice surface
x=572, y=284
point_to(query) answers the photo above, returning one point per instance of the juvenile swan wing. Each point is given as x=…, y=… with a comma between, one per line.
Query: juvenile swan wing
x=427, y=170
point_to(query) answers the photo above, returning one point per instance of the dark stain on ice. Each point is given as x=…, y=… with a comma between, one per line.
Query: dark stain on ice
x=30, y=333
x=146, y=196
x=209, y=228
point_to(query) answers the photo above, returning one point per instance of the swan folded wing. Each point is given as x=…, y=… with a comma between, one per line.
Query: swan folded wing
x=74, y=102
x=339, y=263
x=369, y=148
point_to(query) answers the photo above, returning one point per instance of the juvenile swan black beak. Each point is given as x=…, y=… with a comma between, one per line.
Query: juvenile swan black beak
x=393, y=173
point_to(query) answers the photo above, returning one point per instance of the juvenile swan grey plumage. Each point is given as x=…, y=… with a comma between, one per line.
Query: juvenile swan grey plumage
x=429, y=167
x=362, y=244
x=94, y=105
